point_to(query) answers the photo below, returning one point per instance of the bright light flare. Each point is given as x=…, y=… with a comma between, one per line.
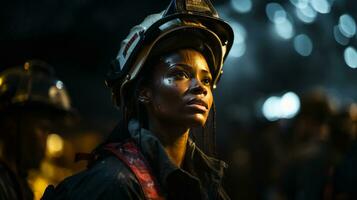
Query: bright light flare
x=242, y=6
x=239, y=45
x=321, y=6
x=347, y=25
x=350, y=56
x=284, y=107
x=54, y=145
x=306, y=14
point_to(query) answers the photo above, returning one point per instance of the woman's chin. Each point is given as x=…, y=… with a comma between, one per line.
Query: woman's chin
x=196, y=120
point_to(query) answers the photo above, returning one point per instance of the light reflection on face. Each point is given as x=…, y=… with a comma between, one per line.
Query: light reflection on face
x=181, y=91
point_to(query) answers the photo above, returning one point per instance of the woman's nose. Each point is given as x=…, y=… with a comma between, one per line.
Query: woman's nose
x=197, y=87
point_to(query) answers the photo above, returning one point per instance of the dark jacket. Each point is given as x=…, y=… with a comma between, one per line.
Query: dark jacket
x=13, y=187
x=345, y=177
x=108, y=178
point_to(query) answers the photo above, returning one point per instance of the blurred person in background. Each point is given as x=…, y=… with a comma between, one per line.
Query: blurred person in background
x=308, y=171
x=162, y=81
x=344, y=138
x=31, y=100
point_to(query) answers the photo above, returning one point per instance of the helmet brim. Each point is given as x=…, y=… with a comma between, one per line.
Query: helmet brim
x=213, y=32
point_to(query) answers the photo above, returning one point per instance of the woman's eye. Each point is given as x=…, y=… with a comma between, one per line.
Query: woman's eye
x=181, y=75
x=207, y=81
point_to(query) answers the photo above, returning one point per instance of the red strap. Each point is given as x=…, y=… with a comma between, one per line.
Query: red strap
x=129, y=153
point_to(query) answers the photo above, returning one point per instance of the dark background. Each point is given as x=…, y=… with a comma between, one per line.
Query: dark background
x=80, y=38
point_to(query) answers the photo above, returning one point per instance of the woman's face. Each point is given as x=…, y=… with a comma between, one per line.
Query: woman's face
x=181, y=91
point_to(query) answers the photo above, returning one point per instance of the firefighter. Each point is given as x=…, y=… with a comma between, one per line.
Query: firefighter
x=31, y=98
x=162, y=80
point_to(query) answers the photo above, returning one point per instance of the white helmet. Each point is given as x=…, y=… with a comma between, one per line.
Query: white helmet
x=185, y=23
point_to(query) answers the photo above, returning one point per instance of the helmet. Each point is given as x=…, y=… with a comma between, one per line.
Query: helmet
x=185, y=23
x=32, y=85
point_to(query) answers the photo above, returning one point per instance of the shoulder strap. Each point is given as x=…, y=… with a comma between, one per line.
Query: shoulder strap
x=130, y=155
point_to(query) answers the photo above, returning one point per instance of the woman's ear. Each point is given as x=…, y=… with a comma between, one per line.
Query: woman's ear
x=145, y=96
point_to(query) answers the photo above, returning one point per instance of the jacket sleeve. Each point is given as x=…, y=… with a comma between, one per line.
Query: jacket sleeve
x=110, y=180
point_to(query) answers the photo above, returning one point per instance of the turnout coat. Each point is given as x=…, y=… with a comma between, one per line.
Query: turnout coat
x=200, y=177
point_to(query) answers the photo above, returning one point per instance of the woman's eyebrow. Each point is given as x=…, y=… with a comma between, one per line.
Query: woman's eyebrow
x=206, y=71
x=188, y=67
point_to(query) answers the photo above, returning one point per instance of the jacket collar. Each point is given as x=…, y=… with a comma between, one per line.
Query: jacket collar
x=197, y=164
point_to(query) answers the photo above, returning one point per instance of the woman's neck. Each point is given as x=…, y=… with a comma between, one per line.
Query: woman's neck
x=173, y=138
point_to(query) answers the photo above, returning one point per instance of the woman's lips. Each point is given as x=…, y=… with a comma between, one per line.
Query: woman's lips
x=197, y=107
x=197, y=104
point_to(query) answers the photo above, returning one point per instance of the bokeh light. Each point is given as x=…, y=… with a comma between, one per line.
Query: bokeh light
x=275, y=12
x=239, y=45
x=347, y=25
x=306, y=14
x=238, y=50
x=38, y=186
x=303, y=45
x=350, y=56
x=339, y=37
x=289, y=105
x=271, y=108
x=285, y=29
x=242, y=6
x=300, y=3
x=284, y=107
x=282, y=25
x=59, y=85
x=321, y=6
x=54, y=145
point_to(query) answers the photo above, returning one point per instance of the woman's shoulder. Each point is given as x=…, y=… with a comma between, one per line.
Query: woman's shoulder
x=107, y=178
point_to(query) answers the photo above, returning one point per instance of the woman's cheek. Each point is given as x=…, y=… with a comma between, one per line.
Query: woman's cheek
x=211, y=98
x=174, y=87
x=169, y=94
